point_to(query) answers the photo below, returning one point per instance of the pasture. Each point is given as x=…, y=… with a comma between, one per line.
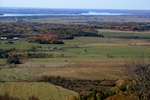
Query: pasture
x=43, y=91
x=83, y=58
x=90, y=58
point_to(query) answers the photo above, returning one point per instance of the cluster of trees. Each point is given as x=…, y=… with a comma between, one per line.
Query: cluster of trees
x=125, y=26
x=4, y=53
x=24, y=27
x=68, y=31
x=16, y=28
x=122, y=91
x=48, y=33
x=93, y=95
x=138, y=77
x=40, y=55
x=14, y=56
x=15, y=59
x=47, y=39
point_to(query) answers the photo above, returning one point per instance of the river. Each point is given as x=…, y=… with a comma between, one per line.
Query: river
x=82, y=14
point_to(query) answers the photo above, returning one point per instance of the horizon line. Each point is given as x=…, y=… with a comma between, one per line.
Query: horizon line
x=73, y=8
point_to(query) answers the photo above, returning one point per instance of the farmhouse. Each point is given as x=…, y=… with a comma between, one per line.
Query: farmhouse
x=3, y=38
x=15, y=38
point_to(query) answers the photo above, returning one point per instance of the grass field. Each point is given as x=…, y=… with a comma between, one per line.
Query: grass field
x=104, y=58
x=90, y=58
x=81, y=70
x=44, y=91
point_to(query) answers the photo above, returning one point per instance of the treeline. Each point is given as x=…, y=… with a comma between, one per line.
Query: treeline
x=14, y=56
x=72, y=29
x=24, y=27
x=47, y=33
x=47, y=39
x=54, y=33
x=124, y=26
x=128, y=28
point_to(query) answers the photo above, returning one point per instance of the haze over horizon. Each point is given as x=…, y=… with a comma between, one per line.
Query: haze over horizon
x=79, y=4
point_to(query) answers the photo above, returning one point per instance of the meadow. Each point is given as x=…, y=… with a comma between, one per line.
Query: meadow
x=42, y=91
x=83, y=58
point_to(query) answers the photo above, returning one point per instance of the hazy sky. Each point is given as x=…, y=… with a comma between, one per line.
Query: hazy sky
x=94, y=4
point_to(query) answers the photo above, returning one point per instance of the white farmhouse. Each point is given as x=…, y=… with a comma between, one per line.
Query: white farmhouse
x=15, y=38
x=3, y=38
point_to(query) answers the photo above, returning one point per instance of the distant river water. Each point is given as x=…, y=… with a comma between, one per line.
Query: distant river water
x=84, y=14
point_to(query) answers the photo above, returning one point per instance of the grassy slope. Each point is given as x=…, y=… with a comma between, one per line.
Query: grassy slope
x=44, y=91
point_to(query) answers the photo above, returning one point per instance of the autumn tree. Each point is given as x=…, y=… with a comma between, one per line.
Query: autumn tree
x=138, y=74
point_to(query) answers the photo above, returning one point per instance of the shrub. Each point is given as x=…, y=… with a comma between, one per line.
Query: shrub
x=13, y=59
x=138, y=76
x=33, y=48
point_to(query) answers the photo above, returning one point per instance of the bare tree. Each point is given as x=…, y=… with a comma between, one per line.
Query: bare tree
x=138, y=74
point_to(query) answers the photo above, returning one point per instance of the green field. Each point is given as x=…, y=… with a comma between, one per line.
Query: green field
x=91, y=58
x=43, y=91
x=103, y=58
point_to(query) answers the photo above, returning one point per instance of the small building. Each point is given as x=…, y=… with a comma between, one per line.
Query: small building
x=3, y=38
x=15, y=38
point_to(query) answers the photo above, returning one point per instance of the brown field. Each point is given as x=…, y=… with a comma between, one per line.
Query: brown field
x=78, y=69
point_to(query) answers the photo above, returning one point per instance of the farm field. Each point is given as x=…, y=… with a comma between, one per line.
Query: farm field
x=42, y=91
x=97, y=62
x=104, y=59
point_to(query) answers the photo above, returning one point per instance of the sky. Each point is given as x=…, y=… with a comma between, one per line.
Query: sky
x=83, y=4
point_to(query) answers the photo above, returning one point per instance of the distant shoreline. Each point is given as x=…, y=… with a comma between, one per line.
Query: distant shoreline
x=24, y=12
x=81, y=14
